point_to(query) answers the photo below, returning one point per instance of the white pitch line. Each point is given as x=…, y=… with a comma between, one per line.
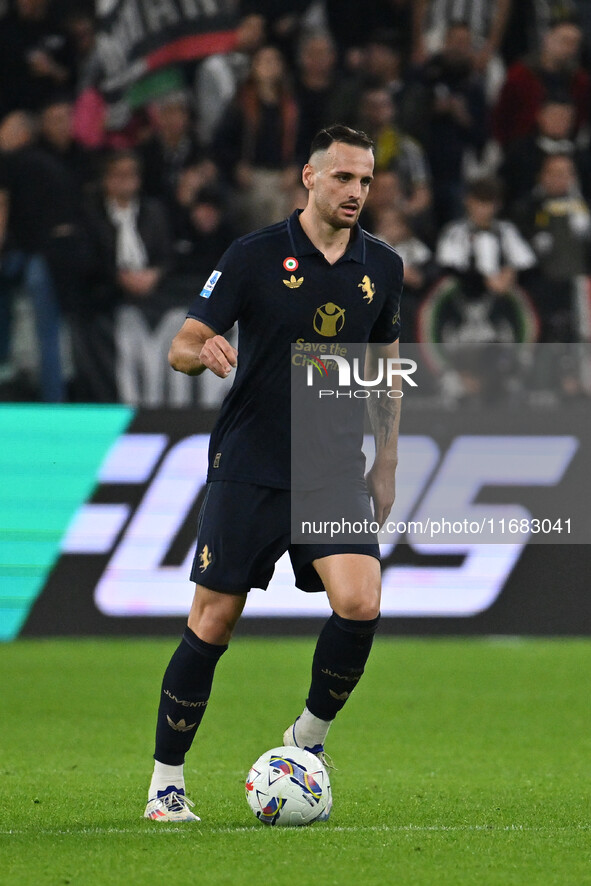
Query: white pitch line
x=401, y=829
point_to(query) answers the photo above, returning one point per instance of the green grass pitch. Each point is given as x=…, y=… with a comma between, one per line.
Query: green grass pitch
x=459, y=762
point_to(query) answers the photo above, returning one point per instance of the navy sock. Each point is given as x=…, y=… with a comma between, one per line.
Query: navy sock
x=185, y=692
x=342, y=650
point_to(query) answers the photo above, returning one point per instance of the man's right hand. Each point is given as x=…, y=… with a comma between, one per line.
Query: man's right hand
x=218, y=355
x=197, y=347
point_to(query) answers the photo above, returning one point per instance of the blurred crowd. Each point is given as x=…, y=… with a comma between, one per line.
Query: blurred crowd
x=480, y=114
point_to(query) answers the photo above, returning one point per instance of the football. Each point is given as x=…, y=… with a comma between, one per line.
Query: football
x=288, y=786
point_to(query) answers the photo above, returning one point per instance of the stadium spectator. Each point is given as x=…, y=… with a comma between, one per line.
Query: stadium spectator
x=129, y=244
x=385, y=193
x=487, y=258
x=554, y=69
x=40, y=249
x=450, y=118
x=315, y=86
x=255, y=143
x=557, y=222
x=383, y=63
x=486, y=21
x=56, y=139
x=80, y=27
x=218, y=76
x=132, y=231
x=36, y=56
x=206, y=235
x=487, y=253
x=396, y=151
x=103, y=116
x=553, y=135
x=541, y=14
x=282, y=20
x=420, y=269
x=193, y=178
x=351, y=31
x=172, y=146
x=377, y=60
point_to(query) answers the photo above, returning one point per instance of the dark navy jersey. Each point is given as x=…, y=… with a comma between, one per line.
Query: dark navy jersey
x=280, y=289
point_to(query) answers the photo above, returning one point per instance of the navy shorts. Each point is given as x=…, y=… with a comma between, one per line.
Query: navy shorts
x=244, y=529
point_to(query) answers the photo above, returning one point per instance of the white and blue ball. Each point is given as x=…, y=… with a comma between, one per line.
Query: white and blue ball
x=288, y=786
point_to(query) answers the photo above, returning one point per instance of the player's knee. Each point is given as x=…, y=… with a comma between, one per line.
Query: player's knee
x=211, y=632
x=212, y=627
x=213, y=618
x=359, y=606
x=359, y=612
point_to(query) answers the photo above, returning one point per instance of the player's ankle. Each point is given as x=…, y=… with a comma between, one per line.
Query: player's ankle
x=310, y=730
x=164, y=776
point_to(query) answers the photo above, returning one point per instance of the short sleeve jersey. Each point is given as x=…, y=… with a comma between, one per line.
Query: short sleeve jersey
x=280, y=289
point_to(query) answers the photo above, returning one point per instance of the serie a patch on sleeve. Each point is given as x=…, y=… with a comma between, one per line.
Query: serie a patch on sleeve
x=208, y=288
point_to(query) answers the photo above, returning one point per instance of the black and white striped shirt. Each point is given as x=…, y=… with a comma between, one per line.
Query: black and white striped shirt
x=463, y=248
x=477, y=14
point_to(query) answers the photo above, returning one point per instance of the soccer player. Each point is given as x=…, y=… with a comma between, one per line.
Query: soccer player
x=315, y=277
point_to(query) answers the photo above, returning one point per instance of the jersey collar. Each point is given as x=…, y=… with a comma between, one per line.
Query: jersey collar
x=302, y=245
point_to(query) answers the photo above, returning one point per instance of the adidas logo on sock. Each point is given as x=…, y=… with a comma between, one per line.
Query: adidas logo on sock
x=181, y=726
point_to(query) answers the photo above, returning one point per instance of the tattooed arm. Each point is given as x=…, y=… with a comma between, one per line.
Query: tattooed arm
x=384, y=415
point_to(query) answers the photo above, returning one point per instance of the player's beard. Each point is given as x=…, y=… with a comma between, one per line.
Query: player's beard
x=333, y=216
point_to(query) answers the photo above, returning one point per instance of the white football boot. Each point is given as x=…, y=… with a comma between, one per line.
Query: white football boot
x=170, y=805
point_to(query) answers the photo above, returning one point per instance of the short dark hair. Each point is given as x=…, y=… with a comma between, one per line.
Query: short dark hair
x=558, y=19
x=374, y=84
x=388, y=37
x=486, y=190
x=557, y=97
x=116, y=156
x=340, y=133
